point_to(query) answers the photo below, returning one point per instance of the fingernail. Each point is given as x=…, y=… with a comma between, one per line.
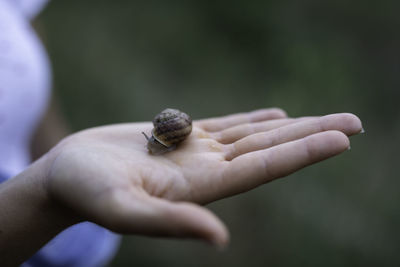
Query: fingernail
x=362, y=131
x=349, y=148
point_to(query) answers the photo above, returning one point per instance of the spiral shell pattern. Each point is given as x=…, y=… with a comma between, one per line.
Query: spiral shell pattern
x=171, y=126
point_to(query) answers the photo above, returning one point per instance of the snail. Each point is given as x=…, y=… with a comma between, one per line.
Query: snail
x=171, y=127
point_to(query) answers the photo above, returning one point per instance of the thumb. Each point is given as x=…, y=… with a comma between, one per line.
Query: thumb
x=147, y=215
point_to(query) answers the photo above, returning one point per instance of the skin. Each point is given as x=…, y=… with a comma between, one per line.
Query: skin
x=106, y=175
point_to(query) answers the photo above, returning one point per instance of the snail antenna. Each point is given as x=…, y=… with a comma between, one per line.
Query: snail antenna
x=145, y=135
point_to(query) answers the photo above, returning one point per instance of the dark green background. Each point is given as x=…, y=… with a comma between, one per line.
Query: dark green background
x=121, y=60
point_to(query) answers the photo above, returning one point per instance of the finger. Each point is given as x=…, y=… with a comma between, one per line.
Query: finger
x=237, y=132
x=346, y=123
x=253, y=169
x=220, y=123
x=158, y=217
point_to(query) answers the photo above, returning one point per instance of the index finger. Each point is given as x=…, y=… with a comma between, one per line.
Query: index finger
x=221, y=123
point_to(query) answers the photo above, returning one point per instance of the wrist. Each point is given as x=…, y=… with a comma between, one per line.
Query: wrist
x=29, y=216
x=36, y=177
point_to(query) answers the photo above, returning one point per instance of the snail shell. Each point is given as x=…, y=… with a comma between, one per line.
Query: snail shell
x=171, y=127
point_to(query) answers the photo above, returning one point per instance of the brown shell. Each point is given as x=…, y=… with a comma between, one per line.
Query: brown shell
x=171, y=126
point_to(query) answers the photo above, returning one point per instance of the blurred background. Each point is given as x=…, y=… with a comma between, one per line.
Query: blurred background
x=121, y=61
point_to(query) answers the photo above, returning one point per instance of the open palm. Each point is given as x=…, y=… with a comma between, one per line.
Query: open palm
x=107, y=176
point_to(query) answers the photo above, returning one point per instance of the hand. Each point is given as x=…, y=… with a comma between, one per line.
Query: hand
x=107, y=176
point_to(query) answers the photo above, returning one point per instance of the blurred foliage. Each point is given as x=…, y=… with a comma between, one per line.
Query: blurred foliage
x=120, y=61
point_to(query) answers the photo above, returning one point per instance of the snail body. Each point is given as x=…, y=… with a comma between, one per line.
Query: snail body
x=171, y=127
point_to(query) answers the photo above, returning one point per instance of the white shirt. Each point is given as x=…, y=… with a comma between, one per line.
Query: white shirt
x=29, y=8
x=25, y=81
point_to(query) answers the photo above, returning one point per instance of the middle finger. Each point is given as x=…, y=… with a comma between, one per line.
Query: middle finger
x=237, y=132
